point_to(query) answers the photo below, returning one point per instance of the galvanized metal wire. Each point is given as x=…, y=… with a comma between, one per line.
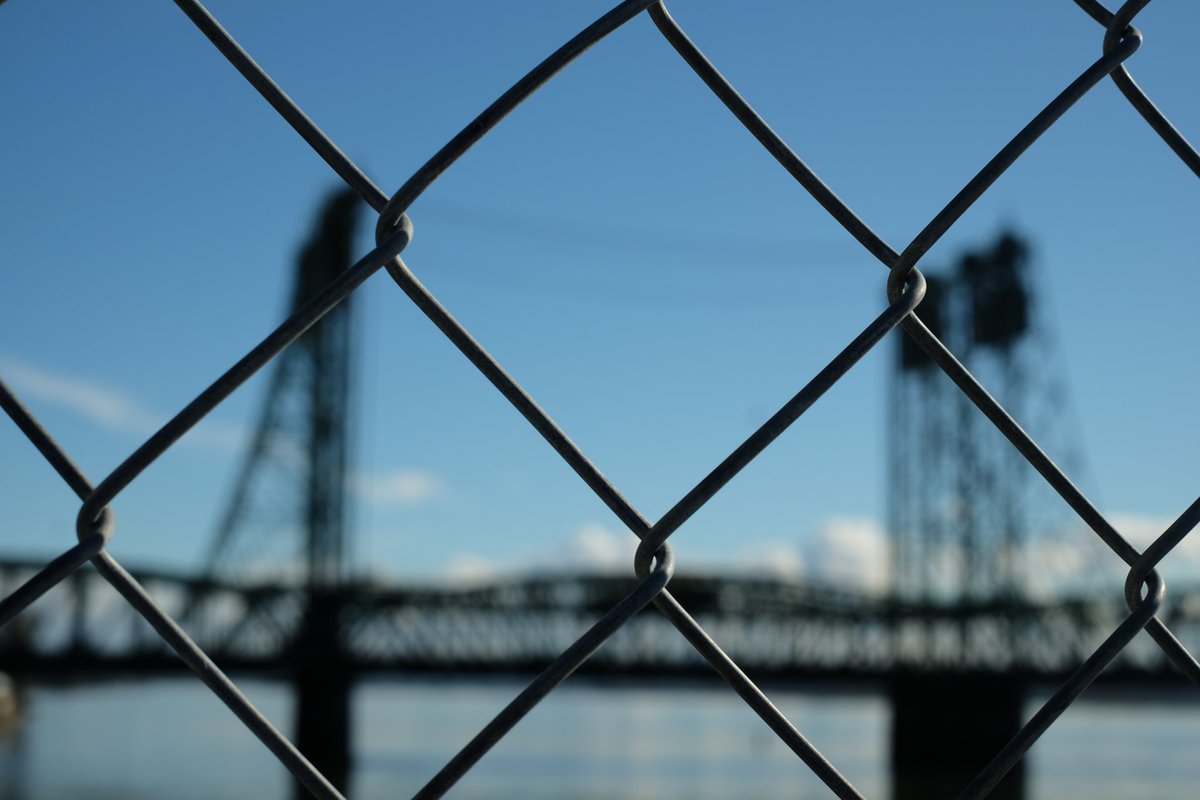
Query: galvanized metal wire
x=654, y=563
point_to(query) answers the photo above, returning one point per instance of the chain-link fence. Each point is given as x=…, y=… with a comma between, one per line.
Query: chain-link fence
x=654, y=563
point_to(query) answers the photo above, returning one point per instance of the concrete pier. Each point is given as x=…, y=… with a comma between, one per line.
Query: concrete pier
x=947, y=726
x=322, y=677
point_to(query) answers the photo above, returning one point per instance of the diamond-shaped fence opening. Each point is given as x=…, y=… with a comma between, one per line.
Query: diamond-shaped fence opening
x=654, y=563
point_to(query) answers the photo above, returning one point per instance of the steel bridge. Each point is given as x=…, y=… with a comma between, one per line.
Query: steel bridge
x=774, y=628
x=957, y=641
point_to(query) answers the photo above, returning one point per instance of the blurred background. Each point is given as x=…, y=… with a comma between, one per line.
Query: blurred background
x=660, y=286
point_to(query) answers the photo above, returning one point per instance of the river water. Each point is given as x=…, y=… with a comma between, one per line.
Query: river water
x=170, y=738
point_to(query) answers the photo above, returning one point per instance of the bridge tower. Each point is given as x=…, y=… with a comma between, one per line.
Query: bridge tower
x=287, y=517
x=962, y=517
x=959, y=507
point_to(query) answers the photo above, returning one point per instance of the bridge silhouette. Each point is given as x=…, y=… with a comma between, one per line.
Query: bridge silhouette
x=956, y=646
x=774, y=628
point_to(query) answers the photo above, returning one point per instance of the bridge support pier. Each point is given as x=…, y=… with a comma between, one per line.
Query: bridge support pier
x=322, y=679
x=947, y=726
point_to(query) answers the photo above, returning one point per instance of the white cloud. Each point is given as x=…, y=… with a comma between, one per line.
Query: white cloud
x=118, y=411
x=852, y=551
x=1061, y=565
x=1075, y=561
x=111, y=408
x=467, y=568
x=1066, y=561
x=593, y=547
x=1142, y=529
x=777, y=558
x=397, y=487
x=855, y=554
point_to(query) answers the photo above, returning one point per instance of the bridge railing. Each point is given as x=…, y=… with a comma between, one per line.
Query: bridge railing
x=654, y=564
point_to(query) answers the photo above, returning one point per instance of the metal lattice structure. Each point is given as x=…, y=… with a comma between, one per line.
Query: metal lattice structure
x=654, y=564
x=302, y=429
x=962, y=513
x=773, y=628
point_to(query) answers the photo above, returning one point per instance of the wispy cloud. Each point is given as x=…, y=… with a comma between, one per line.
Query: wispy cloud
x=467, y=568
x=398, y=487
x=591, y=548
x=119, y=411
x=855, y=554
x=1142, y=529
x=108, y=407
x=595, y=548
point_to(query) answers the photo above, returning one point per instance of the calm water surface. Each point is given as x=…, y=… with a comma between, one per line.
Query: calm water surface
x=172, y=739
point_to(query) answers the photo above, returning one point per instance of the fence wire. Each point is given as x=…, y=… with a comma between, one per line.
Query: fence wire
x=654, y=561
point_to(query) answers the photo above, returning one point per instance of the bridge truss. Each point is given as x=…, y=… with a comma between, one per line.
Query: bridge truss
x=774, y=628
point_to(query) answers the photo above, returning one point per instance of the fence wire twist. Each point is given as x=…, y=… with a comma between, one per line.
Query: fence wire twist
x=654, y=561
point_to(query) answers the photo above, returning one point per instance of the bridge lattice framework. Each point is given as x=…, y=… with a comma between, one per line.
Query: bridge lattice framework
x=771, y=626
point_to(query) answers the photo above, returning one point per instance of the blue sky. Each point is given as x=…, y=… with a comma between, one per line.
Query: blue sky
x=624, y=248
